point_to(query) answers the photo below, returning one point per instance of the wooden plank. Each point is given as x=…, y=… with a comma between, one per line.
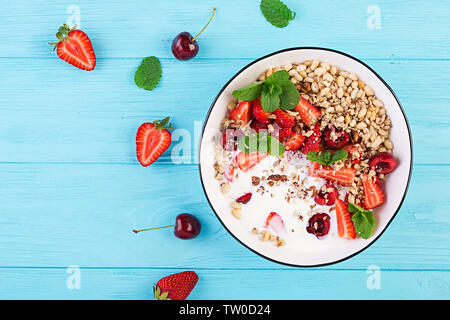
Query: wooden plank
x=141, y=28
x=73, y=116
x=229, y=284
x=59, y=215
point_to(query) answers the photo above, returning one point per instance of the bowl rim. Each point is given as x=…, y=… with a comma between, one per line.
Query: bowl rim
x=410, y=164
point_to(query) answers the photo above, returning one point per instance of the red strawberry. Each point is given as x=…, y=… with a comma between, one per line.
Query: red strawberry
x=353, y=153
x=284, y=120
x=152, y=139
x=294, y=142
x=74, y=47
x=344, y=176
x=313, y=167
x=230, y=138
x=258, y=111
x=373, y=195
x=308, y=113
x=312, y=143
x=229, y=172
x=345, y=226
x=275, y=222
x=177, y=286
x=246, y=161
x=284, y=133
x=242, y=113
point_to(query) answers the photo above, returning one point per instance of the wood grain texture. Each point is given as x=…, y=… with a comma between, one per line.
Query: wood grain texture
x=37, y=283
x=72, y=190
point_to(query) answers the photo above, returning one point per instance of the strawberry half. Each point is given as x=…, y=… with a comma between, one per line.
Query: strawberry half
x=373, y=195
x=177, y=286
x=308, y=113
x=284, y=120
x=75, y=47
x=246, y=161
x=242, y=113
x=345, y=226
x=312, y=143
x=353, y=153
x=258, y=111
x=344, y=176
x=152, y=139
x=294, y=142
x=275, y=222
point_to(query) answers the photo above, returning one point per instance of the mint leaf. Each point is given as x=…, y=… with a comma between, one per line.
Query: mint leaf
x=316, y=157
x=262, y=143
x=270, y=100
x=278, y=77
x=148, y=74
x=290, y=96
x=363, y=220
x=339, y=155
x=276, y=12
x=249, y=93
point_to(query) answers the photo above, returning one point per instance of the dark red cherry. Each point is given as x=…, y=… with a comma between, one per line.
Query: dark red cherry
x=319, y=224
x=187, y=226
x=184, y=46
x=327, y=195
x=335, y=138
x=383, y=163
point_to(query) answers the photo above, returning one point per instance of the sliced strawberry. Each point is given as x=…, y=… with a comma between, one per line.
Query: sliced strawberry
x=152, y=139
x=229, y=172
x=353, y=153
x=284, y=133
x=258, y=125
x=75, y=47
x=230, y=138
x=373, y=195
x=242, y=113
x=345, y=226
x=258, y=111
x=344, y=176
x=275, y=222
x=312, y=143
x=313, y=167
x=294, y=142
x=246, y=161
x=284, y=120
x=308, y=113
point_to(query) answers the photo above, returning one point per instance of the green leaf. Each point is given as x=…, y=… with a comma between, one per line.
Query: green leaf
x=262, y=143
x=148, y=74
x=339, y=155
x=277, y=77
x=364, y=222
x=290, y=96
x=248, y=93
x=270, y=101
x=276, y=12
x=316, y=157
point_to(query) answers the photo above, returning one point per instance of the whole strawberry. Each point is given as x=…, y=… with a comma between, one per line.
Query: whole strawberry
x=177, y=286
x=75, y=47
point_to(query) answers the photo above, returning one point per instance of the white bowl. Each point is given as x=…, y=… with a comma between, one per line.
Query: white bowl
x=395, y=185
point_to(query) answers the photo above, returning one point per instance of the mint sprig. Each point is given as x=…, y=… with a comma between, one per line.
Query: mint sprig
x=276, y=12
x=326, y=158
x=363, y=220
x=262, y=143
x=148, y=74
x=276, y=91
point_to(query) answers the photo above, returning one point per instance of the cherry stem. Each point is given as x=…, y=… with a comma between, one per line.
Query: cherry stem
x=136, y=231
x=205, y=26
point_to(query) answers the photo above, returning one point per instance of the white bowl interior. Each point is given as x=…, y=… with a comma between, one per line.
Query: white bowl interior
x=395, y=185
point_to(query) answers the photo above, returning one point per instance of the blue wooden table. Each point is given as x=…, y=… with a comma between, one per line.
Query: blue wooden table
x=72, y=189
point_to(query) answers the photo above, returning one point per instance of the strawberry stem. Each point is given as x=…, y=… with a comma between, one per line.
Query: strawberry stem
x=136, y=231
x=214, y=11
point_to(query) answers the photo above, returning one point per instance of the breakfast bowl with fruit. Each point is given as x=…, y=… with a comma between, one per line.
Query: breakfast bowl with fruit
x=306, y=156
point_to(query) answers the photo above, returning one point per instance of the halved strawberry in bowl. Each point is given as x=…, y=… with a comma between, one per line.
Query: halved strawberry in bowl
x=258, y=111
x=294, y=142
x=345, y=226
x=152, y=139
x=308, y=113
x=242, y=113
x=344, y=176
x=284, y=120
x=353, y=153
x=312, y=143
x=275, y=222
x=246, y=161
x=373, y=195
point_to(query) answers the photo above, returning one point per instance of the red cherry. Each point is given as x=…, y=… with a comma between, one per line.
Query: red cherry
x=186, y=226
x=383, y=163
x=336, y=138
x=184, y=46
x=319, y=224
